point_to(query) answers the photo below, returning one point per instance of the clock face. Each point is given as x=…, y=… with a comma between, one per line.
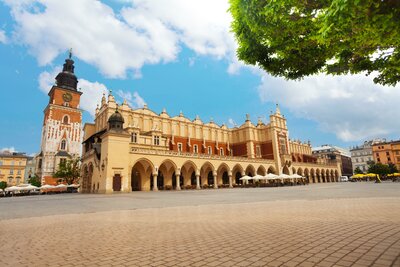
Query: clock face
x=67, y=97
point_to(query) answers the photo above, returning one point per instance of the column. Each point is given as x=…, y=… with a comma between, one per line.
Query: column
x=215, y=180
x=198, y=181
x=178, y=182
x=155, y=187
x=230, y=179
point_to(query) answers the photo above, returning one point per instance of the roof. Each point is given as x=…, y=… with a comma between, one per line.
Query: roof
x=341, y=150
x=63, y=153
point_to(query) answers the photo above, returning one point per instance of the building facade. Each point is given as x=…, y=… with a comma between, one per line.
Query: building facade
x=127, y=150
x=341, y=155
x=362, y=155
x=12, y=167
x=62, y=125
x=30, y=168
x=387, y=152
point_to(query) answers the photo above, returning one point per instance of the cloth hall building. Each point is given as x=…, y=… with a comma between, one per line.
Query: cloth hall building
x=137, y=149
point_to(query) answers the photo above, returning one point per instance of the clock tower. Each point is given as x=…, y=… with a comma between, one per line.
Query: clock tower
x=62, y=124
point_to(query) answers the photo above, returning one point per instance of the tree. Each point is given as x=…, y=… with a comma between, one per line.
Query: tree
x=358, y=171
x=35, y=181
x=69, y=171
x=3, y=185
x=294, y=39
x=392, y=168
x=379, y=168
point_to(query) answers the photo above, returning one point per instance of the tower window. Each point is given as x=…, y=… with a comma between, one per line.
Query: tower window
x=65, y=119
x=63, y=144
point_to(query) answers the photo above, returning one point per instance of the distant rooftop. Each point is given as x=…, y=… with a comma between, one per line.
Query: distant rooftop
x=328, y=148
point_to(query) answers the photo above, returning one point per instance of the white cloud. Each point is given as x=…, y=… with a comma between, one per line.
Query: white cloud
x=92, y=91
x=134, y=99
x=3, y=37
x=7, y=149
x=144, y=32
x=352, y=107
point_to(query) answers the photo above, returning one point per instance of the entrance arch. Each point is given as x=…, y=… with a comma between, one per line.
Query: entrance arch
x=141, y=175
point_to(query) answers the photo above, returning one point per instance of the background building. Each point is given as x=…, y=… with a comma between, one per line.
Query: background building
x=387, y=152
x=30, y=168
x=361, y=155
x=127, y=150
x=343, y=156
x=12, y=167
x=62, y=125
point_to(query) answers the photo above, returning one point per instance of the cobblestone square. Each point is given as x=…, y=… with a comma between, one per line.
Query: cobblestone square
x=342, y=224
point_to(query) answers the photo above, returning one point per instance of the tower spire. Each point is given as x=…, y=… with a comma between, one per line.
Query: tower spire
x=66, y=78
x=70, y=53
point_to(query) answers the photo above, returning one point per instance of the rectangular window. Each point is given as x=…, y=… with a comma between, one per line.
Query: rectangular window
x=11, y=171
x=195, y=149
x=12, y=162
x=156, y=140
x=10, y=180
x=18, y=180
x=209, y=150
x=258, y=151
x=388, y=159
x=40, y=164
x=134, y=138
x=179, y=147
x=1, y=162
x=377, y=154
x=19, y=172
x=387, y=153
x=378, y=159
x=221, y=151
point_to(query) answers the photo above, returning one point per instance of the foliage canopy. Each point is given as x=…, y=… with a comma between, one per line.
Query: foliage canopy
x=294, y=39
x=69, y=171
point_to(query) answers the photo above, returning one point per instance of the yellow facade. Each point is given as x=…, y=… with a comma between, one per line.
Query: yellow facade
x=12, y=168
x=126, y=150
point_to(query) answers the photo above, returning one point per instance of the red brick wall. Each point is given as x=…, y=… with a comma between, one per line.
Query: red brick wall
x=239, y=150
x=199, y=143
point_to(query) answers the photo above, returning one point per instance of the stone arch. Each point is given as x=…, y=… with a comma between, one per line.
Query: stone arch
x=285, y=170
x=142, y=175
x=312, y=174
x=307, y=175
x=271, y=169
x=188, y=171
x=84, y=174
x=323, y=178
x=318, y=175
x=166, y=175
x=223, y=174
x=250, y=170
x=300, y=171
x=237, y=173
x=293, y=170
x=207, y=171
x=327, y=176
x=261, y=170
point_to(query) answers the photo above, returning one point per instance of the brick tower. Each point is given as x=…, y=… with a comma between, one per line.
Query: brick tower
x=62, y=124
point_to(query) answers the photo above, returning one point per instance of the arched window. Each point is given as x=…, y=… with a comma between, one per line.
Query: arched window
x=63, y=144
x=65, y=119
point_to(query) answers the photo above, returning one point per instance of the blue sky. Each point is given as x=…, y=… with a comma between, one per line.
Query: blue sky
x=180, y=57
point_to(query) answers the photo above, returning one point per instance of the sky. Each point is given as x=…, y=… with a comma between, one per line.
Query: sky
x=178, y=55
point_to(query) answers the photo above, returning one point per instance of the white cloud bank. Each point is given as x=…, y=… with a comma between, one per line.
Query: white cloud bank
x=144, y=32
x=352, y=107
